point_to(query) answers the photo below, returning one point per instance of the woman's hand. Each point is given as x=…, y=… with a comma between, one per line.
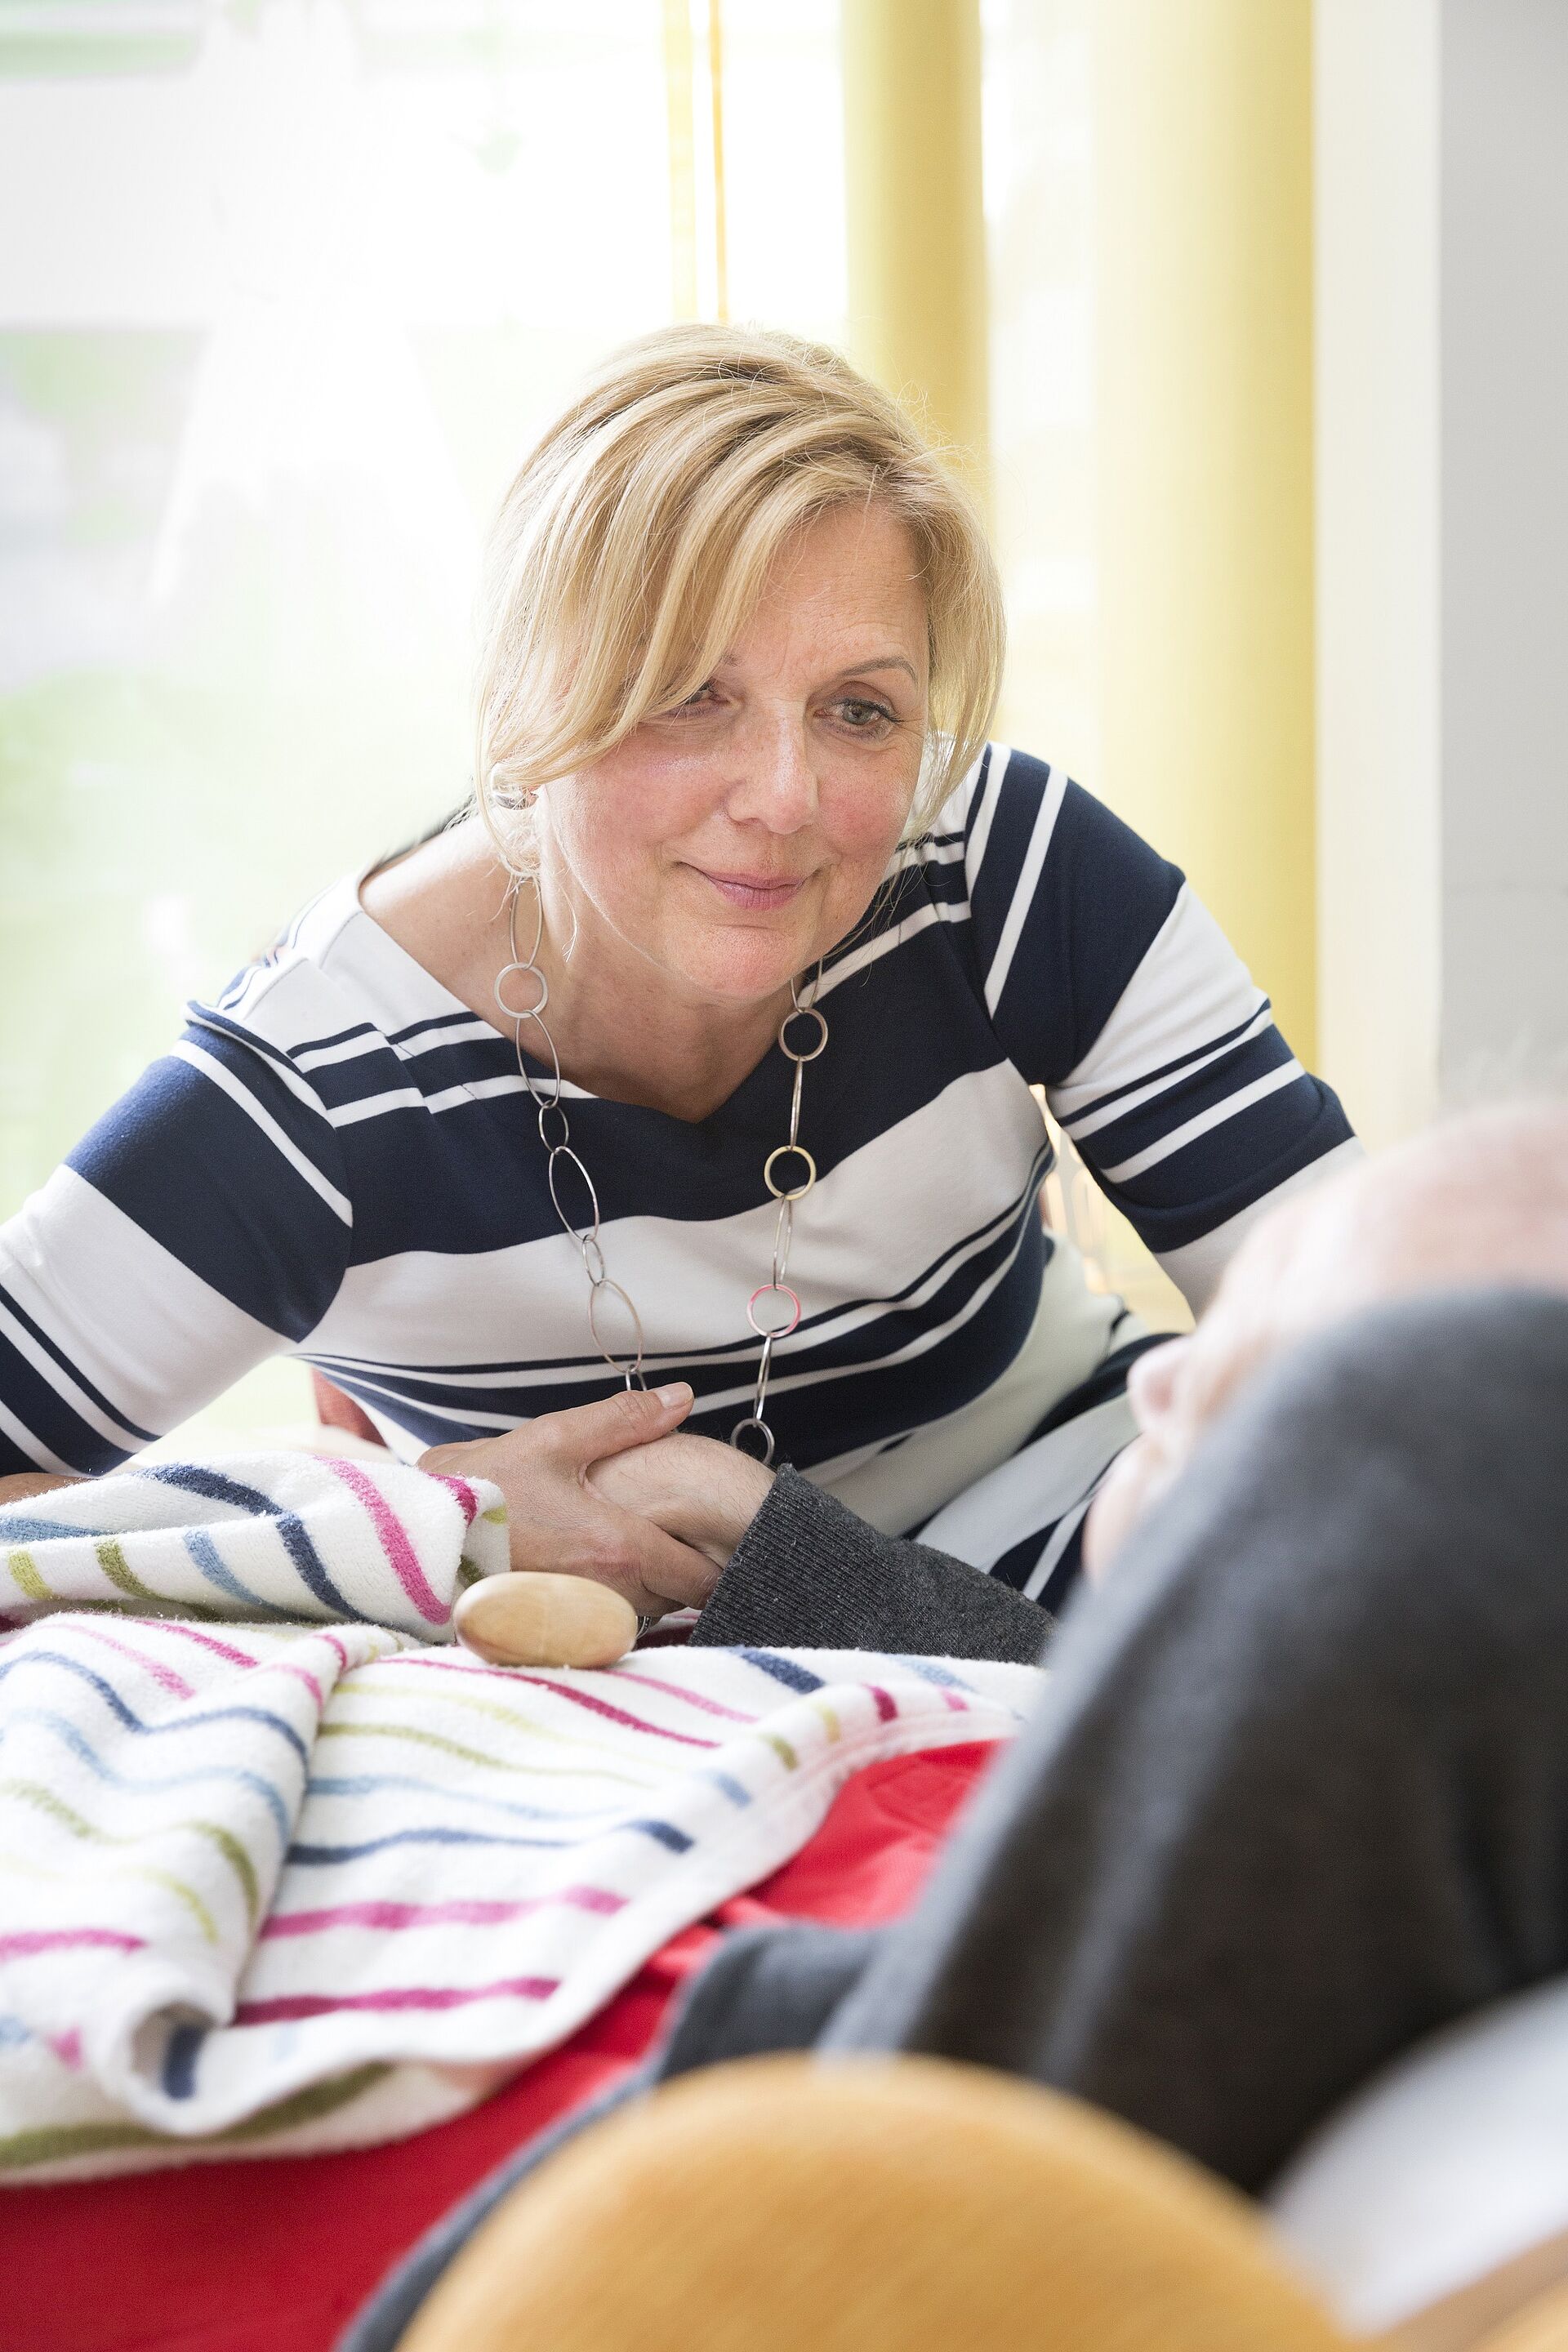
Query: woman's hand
x=21, y=1486
x=563, y=1522
x=701, y=1492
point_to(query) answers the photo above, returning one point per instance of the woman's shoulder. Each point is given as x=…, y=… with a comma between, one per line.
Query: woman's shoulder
x=1001, y=773
x=365, y=960
x=443, y=904
x=1020, y=822
x=1059, y=903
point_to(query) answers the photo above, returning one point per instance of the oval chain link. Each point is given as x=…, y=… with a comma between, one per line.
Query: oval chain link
x=556, y=1135
x=546, y=1096
x=756, y=1420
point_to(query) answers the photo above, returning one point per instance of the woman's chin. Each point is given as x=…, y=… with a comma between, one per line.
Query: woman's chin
x=739, y=965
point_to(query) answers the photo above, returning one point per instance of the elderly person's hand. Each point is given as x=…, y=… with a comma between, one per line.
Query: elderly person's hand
x=569, y=1524
x=703, y=1493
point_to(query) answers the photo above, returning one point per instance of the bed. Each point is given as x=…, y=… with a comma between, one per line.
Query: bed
x=275, y=2255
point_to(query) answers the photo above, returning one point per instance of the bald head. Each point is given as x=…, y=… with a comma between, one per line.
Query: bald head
x=1474, y=1202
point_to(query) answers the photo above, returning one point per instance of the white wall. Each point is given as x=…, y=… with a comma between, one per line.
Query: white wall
x=1504, y=326
x=1442, y=337
x=1376, y=181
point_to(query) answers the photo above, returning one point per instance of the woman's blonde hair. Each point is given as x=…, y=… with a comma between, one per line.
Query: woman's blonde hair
x=632, y=546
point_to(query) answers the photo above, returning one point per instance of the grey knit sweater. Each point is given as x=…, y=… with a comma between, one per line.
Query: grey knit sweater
x=808, y=1574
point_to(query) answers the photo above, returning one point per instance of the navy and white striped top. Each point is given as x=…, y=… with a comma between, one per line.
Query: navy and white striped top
x=338, y=1159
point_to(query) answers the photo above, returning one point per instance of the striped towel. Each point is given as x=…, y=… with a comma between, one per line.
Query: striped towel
x=266, y=1535
x=277, y=1885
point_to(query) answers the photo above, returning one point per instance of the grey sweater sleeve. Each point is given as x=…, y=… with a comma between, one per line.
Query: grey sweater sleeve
x=808, y=1574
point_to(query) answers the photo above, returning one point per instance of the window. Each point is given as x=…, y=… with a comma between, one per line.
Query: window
x=300, y=281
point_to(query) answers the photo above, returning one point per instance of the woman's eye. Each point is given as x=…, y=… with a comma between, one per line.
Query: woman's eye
x=697, y=701
x=865, y=717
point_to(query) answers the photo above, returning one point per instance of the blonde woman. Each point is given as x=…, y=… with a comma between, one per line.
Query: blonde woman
x=686, y=1079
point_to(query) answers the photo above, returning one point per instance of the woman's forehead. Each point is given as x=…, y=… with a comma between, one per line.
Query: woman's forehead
x=851, y=579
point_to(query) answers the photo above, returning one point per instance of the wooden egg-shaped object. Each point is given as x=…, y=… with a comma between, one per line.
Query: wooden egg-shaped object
x=527, y=1620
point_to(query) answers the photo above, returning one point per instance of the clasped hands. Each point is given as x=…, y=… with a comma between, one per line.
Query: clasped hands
x=616, y=1492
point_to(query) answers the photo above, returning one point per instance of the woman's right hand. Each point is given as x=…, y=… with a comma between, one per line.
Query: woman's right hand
x=558, y=1520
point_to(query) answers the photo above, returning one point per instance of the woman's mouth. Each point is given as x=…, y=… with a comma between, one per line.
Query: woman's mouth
x=757, y=891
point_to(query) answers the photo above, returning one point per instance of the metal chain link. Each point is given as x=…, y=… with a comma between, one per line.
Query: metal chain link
x=561, y=1159
x=546, y=1096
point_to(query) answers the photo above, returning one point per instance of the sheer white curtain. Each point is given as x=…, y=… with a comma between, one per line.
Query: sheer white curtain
x=299, y=283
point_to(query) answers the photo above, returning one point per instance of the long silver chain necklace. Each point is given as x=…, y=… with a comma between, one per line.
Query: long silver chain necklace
x=773, y=1309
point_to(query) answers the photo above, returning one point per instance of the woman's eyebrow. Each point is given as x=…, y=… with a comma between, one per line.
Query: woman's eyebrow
x=883, y=661
x=855, y=669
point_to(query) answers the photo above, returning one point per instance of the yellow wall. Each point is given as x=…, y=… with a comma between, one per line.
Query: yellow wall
x=1204, y=329
x=913, y=210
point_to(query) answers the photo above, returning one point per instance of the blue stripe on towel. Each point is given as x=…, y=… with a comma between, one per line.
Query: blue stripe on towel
x=788, y=1671
x=180, y=2055
x=205, y=1553
x=80, y=1746
x=133, y=1722
x=216, y=1488
x=665, y=1833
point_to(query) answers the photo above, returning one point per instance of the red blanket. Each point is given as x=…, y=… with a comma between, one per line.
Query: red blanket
x=275, y=2256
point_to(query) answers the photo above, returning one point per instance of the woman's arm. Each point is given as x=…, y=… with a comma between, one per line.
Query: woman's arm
x=202, y=1225
x=1110, y=983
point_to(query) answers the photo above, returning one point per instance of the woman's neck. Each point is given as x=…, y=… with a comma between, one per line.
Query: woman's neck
x=625, y=1032
x=616, y=1030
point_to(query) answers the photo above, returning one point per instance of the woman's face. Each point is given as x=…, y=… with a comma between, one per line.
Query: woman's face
x=729, y=843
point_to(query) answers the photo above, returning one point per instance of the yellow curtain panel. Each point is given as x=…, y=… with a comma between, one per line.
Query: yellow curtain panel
x=694, y=97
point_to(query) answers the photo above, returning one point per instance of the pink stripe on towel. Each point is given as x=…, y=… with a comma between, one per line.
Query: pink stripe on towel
x=467, y=1912
x=290, y=2006
x=618, y=1713
x=208, y=1641
x=164, y=1676
x=394, y=1540
x=26, y=1941
x=240, y=1658
x=692, y=1698
x=465, y=1494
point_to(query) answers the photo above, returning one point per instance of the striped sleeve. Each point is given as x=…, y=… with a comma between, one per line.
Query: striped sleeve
x=1109, y=984
x=202, y=1225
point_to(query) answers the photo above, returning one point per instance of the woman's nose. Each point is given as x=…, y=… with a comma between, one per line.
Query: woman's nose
x=775, y=782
